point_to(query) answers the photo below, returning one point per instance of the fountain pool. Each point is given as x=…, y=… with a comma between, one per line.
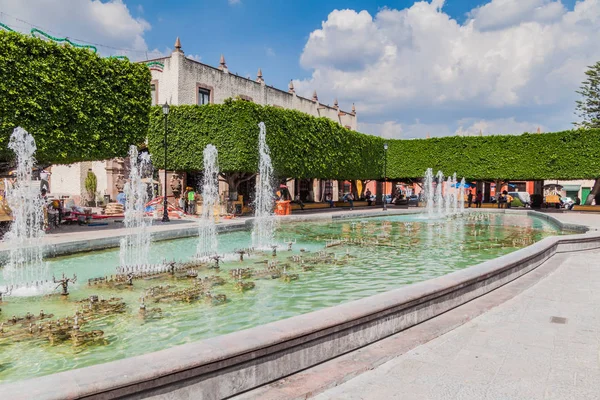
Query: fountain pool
x=329, y=263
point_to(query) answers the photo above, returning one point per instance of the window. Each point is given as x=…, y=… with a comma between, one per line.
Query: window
x=153, y=93
x=203, y=96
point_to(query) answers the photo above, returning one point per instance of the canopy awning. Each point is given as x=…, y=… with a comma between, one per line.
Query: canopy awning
x=571, y=188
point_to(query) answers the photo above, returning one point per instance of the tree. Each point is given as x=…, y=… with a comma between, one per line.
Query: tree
x=78, y=106
x=91, y=184
x=588, y=109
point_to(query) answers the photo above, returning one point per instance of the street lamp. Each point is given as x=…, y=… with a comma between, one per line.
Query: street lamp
x=165, y=218
x=385, y=148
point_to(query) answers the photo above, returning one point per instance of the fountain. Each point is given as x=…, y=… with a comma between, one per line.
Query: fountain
x=207, y=232
x=135, y=246
x=25, y=272
x=428, y=192
x=448, y=199
x=438, y=193
x=454, y=192
x=461, y=196
x=264, y=221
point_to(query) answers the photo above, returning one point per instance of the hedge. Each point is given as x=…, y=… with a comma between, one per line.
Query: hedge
x=77, y=105
x=301, y=146
x=558, y=155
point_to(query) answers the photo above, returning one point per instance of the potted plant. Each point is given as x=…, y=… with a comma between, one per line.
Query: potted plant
x=91, y=184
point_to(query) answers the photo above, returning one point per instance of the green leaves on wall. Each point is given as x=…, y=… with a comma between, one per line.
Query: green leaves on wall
x=558, y=155
x=77, y=105
x=302, y=146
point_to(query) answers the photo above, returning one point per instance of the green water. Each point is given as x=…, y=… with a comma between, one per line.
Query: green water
x=382, y=254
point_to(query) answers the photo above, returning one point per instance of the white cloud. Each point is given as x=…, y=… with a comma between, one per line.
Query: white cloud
x=195, y=57
x=270, y=52
x=502, y=126
x=108, y=23
x=500, y=14
x=234, y=2
x=511, y=59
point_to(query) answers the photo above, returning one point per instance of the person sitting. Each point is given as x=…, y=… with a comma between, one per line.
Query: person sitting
x=576, y=203
x=329, y=199
x=368, y=196
x=298, y=201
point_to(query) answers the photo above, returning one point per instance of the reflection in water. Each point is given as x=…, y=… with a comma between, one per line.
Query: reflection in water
x=369, y=256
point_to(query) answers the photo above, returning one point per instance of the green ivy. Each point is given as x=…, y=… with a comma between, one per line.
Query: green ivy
x=77, y=105
x=301, y=146
x=558, y=155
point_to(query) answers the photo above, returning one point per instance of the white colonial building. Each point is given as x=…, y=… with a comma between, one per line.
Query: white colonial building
x=179, y=80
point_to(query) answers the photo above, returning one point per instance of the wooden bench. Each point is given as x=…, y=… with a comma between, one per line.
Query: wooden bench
x=337, y=204
x=587, y=208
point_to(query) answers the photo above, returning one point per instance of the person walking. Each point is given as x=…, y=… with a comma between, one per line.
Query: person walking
x=298, y=201
x=191, y=196
x=478, y=199
x=368, y=196
x=470, y=198
x=350, y=198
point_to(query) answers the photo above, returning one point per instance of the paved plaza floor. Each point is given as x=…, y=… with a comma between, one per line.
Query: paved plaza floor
x=542, y=344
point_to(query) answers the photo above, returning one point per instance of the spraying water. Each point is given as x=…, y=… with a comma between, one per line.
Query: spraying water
x=454, y=195
x=461, y=195
x=264, y=221
x=438, y=193
x=26, y=269
x=428, y=192
x=135, y=246
x=207, y=232
x=448, y=197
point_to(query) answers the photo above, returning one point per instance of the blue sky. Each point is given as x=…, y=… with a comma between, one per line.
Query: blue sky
x=256, y=33
x=437, y=67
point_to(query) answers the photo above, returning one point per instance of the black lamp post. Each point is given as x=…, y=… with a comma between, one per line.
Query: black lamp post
x=385, y=148
x=165, y=217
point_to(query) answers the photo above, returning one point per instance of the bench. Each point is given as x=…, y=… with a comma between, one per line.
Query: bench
x=337, y=204
x=587, y=208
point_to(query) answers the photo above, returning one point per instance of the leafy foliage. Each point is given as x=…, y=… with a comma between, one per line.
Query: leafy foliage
x=91, y=184
x=301, y=146
x=588, y=109
x=517, y=202
x=77, y=106
x=558, y=155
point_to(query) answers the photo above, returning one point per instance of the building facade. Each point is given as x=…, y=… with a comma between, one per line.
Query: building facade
x=179, y=80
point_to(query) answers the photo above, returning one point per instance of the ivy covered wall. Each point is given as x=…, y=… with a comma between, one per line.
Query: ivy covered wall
x=77, y=105
x=301, y=146
x=557, y=155
x=306, y=147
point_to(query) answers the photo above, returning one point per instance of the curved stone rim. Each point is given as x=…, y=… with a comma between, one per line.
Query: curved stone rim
x=230, y=364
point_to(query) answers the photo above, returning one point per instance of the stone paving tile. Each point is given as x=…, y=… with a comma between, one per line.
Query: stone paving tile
x=513, y=351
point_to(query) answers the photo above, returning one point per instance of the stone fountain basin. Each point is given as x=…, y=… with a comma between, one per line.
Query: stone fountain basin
x=226, y=365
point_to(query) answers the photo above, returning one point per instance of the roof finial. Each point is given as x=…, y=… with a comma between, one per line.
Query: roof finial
x=291, y=87
x=539, y=130
x=353, y=109
x=259, y=76
x=315, y=98
x=222, y=65
x=178, y=45
x=335, y=103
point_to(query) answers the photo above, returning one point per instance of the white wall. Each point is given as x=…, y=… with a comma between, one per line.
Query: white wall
x=177, y=84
